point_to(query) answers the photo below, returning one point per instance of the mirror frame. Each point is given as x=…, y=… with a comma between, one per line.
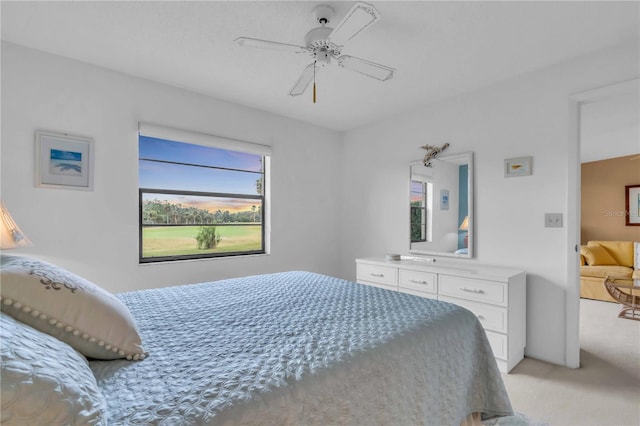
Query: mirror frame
x=470, y=194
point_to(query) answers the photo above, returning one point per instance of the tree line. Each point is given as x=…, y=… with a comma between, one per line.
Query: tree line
x=157, y=212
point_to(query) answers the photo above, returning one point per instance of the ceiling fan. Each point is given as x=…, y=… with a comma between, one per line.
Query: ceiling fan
x=325, y=43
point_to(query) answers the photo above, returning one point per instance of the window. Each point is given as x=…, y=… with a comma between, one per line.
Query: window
x=421, y=198
x=200, y=201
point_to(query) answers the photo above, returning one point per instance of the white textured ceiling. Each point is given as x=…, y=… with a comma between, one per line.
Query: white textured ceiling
x=439, y=49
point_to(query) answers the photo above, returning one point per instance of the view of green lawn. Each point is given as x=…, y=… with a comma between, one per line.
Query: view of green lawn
x=199, y=201
x=181, y=240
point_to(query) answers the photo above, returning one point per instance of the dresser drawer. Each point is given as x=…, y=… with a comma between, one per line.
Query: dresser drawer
x=471, y=289
x=498, y=344
x=490, y=316
x=385, y=275
x=417, y=280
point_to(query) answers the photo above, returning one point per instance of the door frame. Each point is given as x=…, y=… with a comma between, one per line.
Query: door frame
x=572, y=301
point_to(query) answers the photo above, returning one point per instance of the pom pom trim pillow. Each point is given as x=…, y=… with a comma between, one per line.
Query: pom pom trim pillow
x=68, y=307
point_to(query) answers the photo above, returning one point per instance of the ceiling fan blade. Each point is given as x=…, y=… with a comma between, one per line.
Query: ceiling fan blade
x=266, y=44
x=303, y=81
x=368, y=68
x=360, y=17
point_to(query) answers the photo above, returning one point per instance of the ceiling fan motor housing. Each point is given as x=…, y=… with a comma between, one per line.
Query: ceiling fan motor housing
x=322, y=48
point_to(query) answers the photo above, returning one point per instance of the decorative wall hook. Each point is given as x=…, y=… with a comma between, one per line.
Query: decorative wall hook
x=432, y=153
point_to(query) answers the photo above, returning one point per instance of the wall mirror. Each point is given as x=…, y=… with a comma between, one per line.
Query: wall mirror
x=441, y=206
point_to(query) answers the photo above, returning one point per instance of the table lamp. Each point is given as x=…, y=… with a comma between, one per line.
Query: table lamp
x=465, y=227
x=10, y=234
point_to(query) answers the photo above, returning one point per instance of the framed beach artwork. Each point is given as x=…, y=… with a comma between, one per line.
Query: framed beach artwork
x=64, y=161
x=632, y=201
x=520, y=166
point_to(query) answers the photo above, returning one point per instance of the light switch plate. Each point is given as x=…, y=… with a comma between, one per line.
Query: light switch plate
x=553, y=220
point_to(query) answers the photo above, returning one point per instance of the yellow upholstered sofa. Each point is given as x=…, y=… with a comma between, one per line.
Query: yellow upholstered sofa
x=599, y=259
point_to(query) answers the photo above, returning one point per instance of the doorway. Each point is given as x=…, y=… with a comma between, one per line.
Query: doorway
x=582, y=107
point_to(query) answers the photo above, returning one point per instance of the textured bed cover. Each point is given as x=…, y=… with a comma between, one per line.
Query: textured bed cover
x=301, y=348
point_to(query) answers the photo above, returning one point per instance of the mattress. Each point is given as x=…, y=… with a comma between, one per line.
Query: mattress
x=300, y=348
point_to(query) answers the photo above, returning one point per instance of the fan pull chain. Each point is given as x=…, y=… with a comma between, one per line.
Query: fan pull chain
x=314, y=81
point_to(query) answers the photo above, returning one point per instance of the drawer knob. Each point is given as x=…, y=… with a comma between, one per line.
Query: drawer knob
x=472, y=290
x=419, y=281
x=373, y=274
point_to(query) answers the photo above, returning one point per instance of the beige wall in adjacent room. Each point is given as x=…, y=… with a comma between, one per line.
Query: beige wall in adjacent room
x=603, y=199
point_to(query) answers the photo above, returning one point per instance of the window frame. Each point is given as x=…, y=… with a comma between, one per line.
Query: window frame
x=426, y=225
x=423, y=216
x=182, y=136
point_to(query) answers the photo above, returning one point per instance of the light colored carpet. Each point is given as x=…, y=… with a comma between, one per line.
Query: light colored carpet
x=604, y=391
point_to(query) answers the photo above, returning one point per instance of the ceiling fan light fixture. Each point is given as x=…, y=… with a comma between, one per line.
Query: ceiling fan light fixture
x=323, y=56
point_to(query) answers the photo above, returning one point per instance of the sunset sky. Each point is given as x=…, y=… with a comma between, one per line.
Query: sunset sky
x=233, y=205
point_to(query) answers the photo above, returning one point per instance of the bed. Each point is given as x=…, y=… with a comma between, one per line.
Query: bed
x=286, y=348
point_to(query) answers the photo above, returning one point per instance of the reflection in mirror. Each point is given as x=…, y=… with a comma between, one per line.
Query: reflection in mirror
x=441, y=213
x=421, y=197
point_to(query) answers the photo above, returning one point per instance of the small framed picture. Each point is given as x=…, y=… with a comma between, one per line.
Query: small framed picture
x=64, y=161
x=520, y=166
x=632, y=198
x=444, y=199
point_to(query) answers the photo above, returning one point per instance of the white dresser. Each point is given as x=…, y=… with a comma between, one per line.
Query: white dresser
x=497, y=296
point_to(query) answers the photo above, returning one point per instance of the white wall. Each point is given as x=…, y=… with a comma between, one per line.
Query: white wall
x=610, y=128
x=524, y=116
x=332, y=202
x=95, y=234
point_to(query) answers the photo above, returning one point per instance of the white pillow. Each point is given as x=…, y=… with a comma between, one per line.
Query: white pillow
x=68, y=307
x=636, y=256
x=45, y=381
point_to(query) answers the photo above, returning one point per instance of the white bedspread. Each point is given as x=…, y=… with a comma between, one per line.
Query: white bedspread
x=301, y=348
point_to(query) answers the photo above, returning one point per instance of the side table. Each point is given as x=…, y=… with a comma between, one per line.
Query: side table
x=627, y=294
